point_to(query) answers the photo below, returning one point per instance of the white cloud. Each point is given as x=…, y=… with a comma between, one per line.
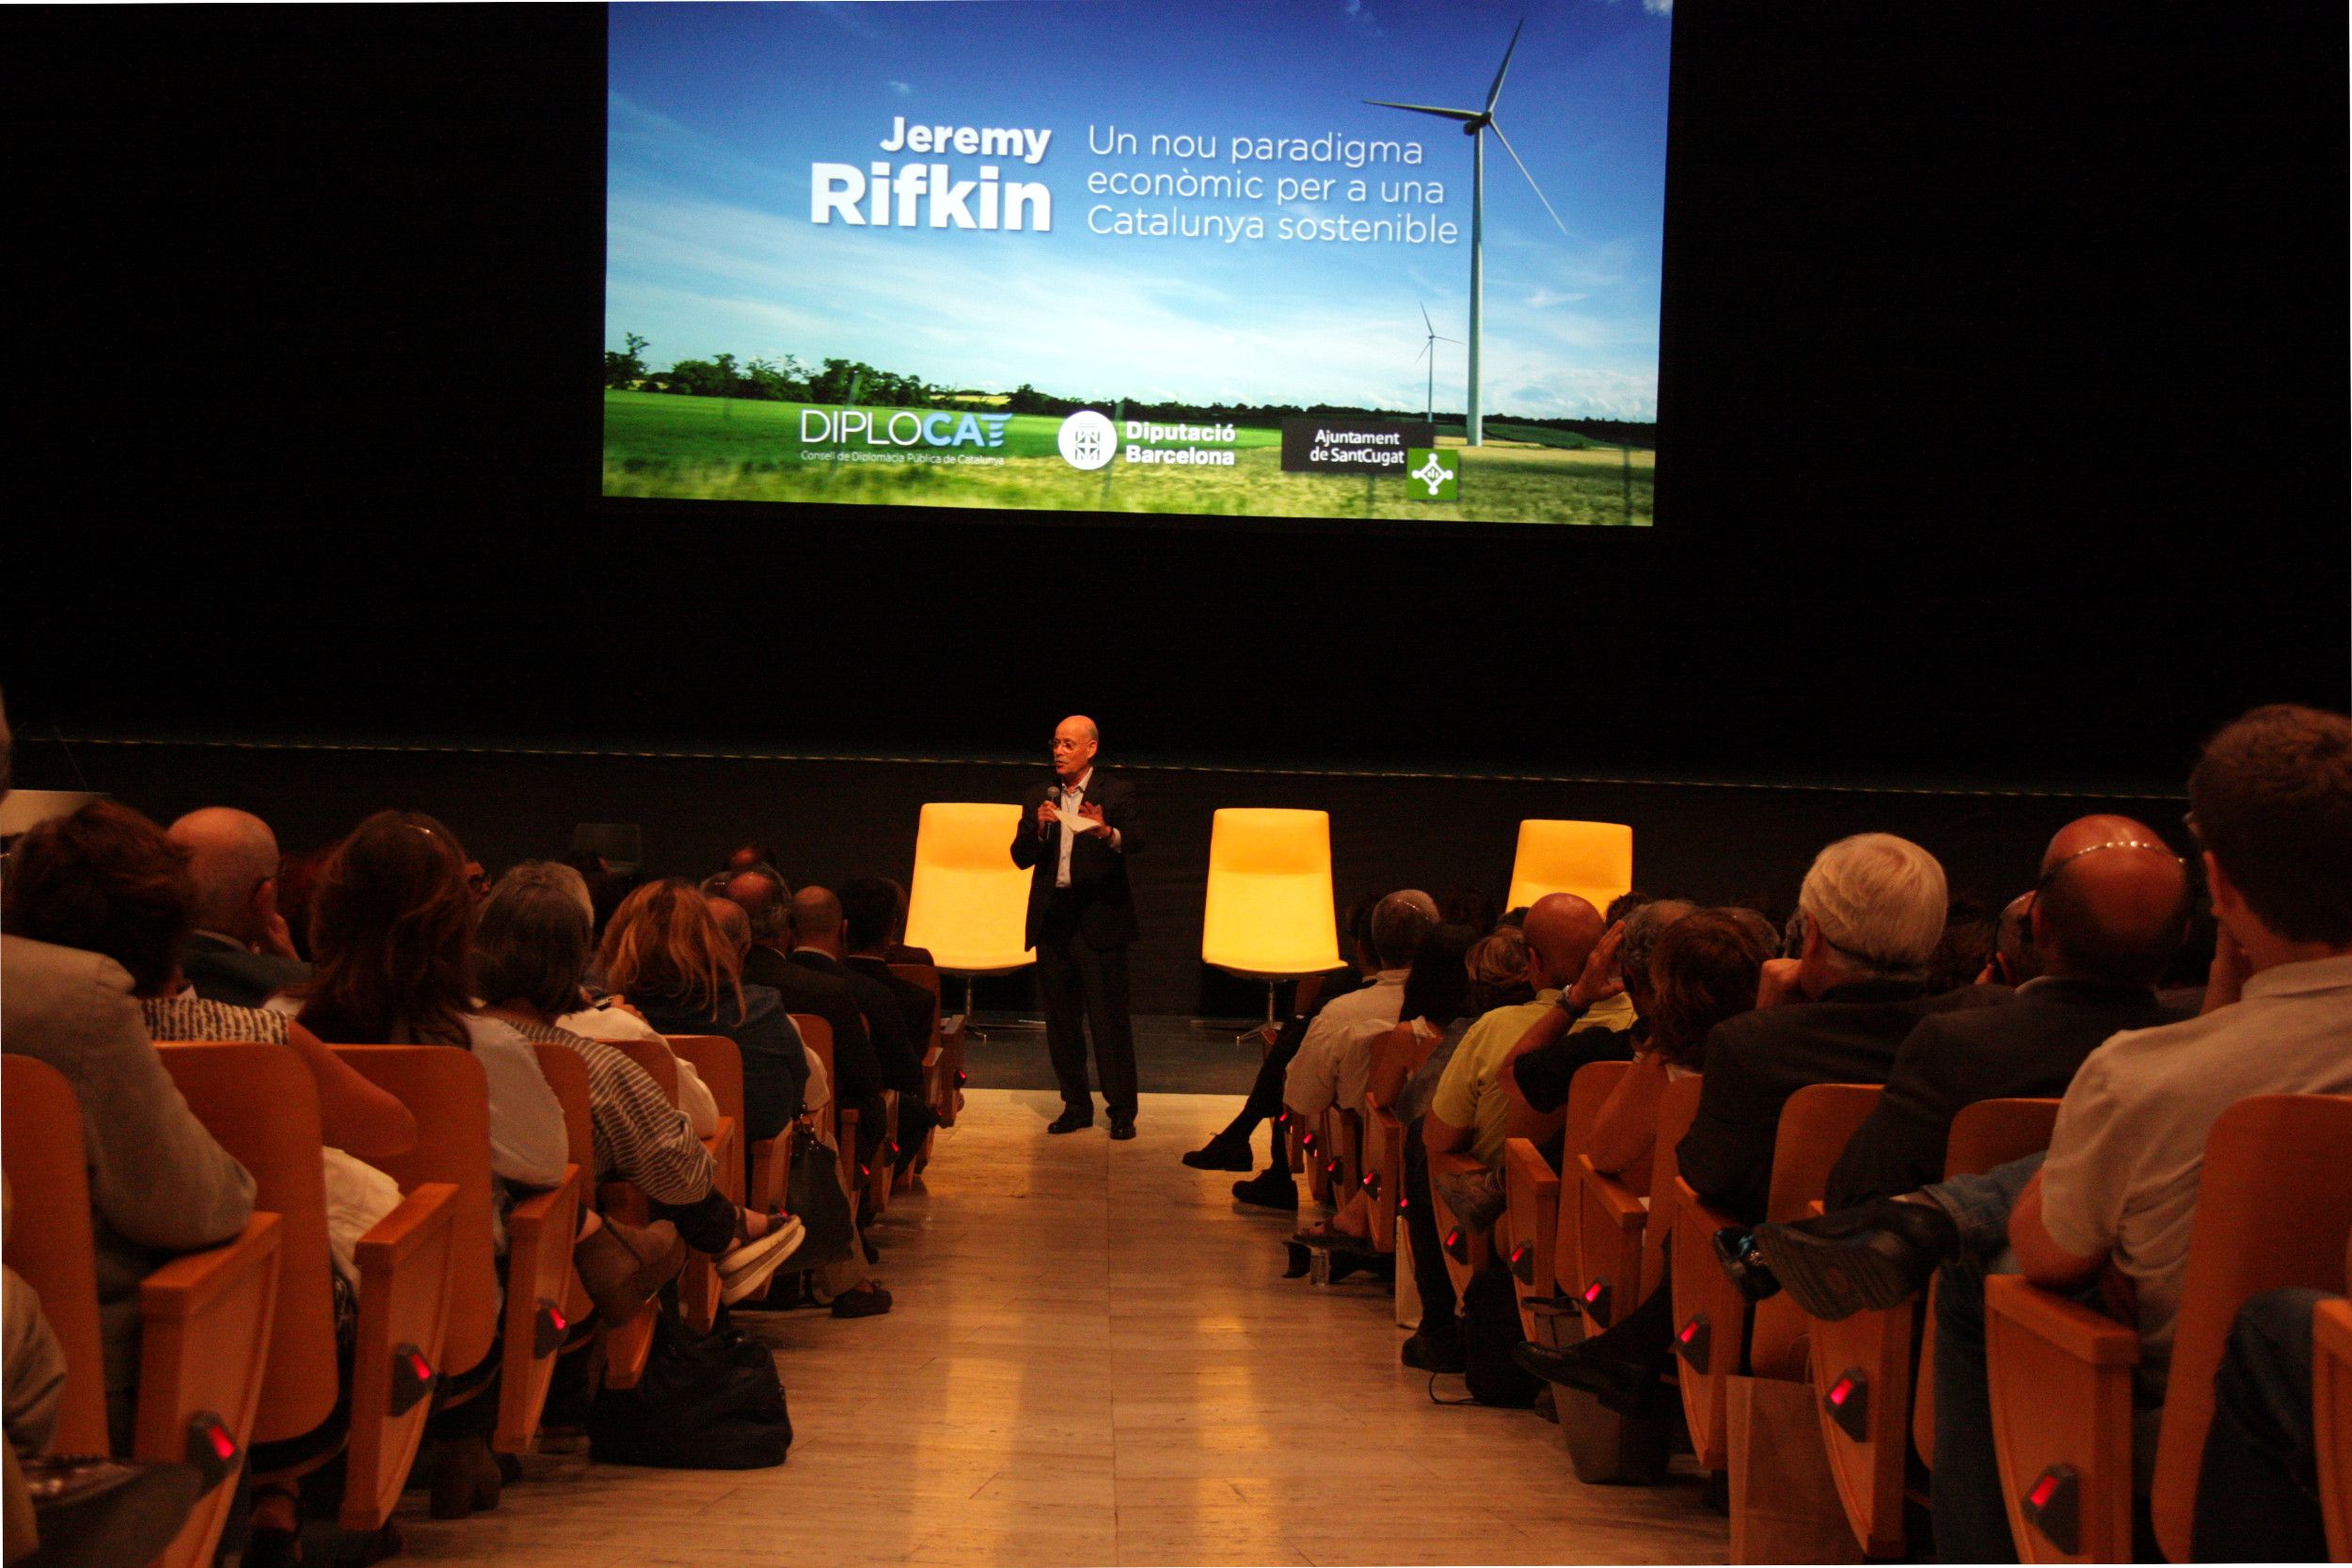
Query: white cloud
x=901, y=88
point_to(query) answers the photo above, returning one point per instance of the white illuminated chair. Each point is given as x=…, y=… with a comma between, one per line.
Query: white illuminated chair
x=1592, y=860
x=969, y=904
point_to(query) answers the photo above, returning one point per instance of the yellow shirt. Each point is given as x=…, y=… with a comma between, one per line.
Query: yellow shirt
x=1470, y=1094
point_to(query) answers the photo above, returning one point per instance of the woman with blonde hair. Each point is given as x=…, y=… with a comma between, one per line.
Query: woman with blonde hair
x=668, y=957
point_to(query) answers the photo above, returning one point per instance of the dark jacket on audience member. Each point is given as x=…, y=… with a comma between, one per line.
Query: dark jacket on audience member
x=916, y=1007
x=226, y=971
x=1952, y=1060
x=885, y=1024
x=1755, y=1061
x=775, y=1068
x=1544, y=1073
x=857, y=1076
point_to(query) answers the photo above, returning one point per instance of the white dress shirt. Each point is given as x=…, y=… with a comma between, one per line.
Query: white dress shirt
x=1334, y=1062
x=1067, y=802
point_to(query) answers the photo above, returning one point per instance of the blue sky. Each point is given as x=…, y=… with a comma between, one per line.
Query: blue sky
x=717, y=112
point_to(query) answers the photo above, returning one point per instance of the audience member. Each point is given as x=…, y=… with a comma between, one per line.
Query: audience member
x=531, y=947
x=1966, y=946
x=392, y=929
x=2258, y=1483
x=817, y=948
x=858, y=1079
x=1336, y=1052
x=159, y=1185
x=1470, y=1111
x=1543, y=1061
x=1701, y=968
x=242, y=949
x=2271, y=800
x=2015, y=959
x=869, y=911
x=1870, y=913
x=2103, y=922
x=1230, y=1148
x=105, y=880
x=896, y=950
x=298, y=881
x=666, y=955
x=755, y=857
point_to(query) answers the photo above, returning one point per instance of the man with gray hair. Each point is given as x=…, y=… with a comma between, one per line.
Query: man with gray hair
x=241, y=950
x=1869, y=917
x=1334, y=1060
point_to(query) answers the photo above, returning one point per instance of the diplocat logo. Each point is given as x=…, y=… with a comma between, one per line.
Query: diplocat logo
x=1088, y=440
x=1436, y=475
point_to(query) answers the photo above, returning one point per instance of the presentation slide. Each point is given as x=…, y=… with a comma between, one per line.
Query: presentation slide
x=1255, y=259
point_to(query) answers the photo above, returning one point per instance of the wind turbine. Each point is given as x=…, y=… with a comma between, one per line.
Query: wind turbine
x=1430, y=348
x=1475, y=123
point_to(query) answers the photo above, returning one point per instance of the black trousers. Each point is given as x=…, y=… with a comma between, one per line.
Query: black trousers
x=1086, y=990
x=2258, y=1492
x=1439, y=1309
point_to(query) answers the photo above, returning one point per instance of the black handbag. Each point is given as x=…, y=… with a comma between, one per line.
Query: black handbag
x=706, y=1401
x=813, y=1196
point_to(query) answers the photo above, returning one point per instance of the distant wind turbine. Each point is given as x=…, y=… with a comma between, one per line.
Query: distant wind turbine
x=1474, y=122
x=1430, y=349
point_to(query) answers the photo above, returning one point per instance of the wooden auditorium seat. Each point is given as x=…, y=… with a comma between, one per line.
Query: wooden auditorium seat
x=2272, y=1210
x=1466, y=1251
x=835, y=1124
x=1610, y=1258
x=940, y=1081
x=2332, y=1376
x=1988, y=1134
x=205, y=1317
x=446, y=1090
x=698, y=1285
x=1714, y=1340
x=1397, y=1055
x=259, y=1103
x=626, y=1345
x=1862, y=1366
x=1532, y=1230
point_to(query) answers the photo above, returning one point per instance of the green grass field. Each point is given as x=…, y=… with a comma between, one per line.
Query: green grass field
x=712, y=448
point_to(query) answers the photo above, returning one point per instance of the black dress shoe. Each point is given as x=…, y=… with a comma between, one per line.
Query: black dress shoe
x=1623, y=1386
x=1072, y=1119
x=1865, y=1258
x=1432, y=1353
x=1122, y=1126
x=1221, y=1153
x=1271, y=1189
x=1735, y=1249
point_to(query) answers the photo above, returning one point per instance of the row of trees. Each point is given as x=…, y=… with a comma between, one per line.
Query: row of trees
x=840, y=381
x=783, y=379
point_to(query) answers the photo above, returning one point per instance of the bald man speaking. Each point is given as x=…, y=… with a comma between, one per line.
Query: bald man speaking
x=1075, y=834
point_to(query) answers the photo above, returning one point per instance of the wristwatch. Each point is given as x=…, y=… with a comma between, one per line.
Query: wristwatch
x=1574, y=1009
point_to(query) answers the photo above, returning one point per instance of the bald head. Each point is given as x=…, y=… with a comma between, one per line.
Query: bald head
x=760, y=896
x=2113, y=903
x=1075, y=739
x=1561, y=931
x=817, y=920
x=234, y=858
x=733, y=922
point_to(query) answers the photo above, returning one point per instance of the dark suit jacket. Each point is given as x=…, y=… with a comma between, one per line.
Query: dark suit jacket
x=221, y=971
x=915, y=1005
x=1755, y=1061
x=885, y=1026
x=1098, y=873
x=1953, y=1060
x=857, y=1075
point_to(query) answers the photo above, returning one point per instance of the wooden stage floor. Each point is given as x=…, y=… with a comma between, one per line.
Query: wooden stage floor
x=1093, y=1359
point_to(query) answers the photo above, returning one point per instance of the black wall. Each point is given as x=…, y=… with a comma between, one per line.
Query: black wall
x=2005, y=397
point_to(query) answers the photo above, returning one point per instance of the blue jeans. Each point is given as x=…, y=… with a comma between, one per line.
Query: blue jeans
x=1970, y=1518
x=2258, y=1488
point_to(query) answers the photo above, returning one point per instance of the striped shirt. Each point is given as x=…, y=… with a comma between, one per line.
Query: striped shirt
x=640, y=1136
x=190, y=1017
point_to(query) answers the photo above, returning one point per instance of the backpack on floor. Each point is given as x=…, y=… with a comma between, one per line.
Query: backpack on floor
x=707, y=1402
x=1490, y=1331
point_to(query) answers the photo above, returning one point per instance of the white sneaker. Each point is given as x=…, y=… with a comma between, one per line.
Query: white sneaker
x=747, y=1270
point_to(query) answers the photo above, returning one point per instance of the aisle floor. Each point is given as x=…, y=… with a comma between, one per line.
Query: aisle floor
x=1093, y=1359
